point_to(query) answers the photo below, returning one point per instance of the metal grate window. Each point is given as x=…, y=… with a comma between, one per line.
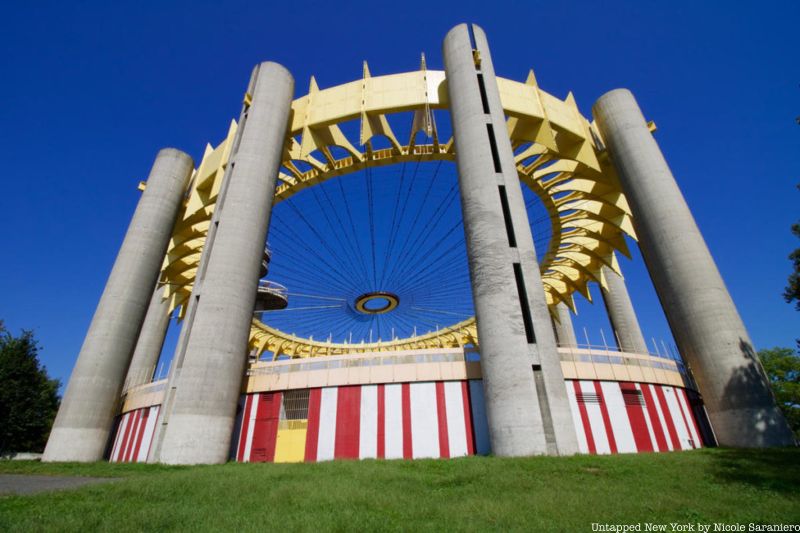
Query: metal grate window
x=295, y=405
x=587, y=397
x=633, y=397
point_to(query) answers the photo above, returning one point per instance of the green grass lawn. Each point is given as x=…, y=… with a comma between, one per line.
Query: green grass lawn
x=476, y=493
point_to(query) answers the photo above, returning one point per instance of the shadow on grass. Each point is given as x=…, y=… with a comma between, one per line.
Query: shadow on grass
x=776, y=469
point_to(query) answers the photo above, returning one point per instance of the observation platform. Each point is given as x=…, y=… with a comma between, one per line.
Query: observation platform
x=271, y=296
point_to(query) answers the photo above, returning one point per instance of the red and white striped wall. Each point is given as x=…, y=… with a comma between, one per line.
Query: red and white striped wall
x=624, y=417
x=134, y=435
x=430, y=419
x=398, y=420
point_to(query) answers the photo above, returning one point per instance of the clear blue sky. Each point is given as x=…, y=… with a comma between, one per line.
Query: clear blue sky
x=91, y=91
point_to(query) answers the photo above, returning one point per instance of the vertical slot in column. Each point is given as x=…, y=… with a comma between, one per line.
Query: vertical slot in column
x=484, y=99
x=493, y=146
x=523, y=303
x=512, y=239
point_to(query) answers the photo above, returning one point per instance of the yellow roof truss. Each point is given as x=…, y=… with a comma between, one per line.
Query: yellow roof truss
x=557, y=157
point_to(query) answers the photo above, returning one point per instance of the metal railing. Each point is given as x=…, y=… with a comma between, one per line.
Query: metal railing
x=325, y=363
x=147, y=388
x=605, y=350
x=271, y=287
x=575, y=354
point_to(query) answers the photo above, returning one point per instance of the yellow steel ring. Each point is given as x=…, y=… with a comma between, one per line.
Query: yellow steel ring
x=391, y=302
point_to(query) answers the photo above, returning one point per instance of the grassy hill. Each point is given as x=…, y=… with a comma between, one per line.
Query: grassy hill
x=475, y=493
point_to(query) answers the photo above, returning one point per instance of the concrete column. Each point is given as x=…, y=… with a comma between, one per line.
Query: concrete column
x=526, y=401
x=565, y=332
x=85, y=418
x=621, y=314
x=704, y=321
x=151, y=340
x=208, y=385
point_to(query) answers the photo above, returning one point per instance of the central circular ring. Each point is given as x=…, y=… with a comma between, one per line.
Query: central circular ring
x=390, y=301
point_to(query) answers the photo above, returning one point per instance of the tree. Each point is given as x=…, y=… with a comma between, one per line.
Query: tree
x=792, y=291
x=28, y=397
x=782, y=366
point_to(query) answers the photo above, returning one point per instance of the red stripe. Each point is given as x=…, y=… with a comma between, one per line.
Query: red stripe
x=142, y=424
x=130, y=436
x=408, y=452
x=673, y=435
x=699, y=443
x=441, y=411
x=348, y=421
x=468, y=418
x=128, y=417
x=612, y=442
x=636, y=417
x=312, y=433
x=265, y=430
x=649, y=402
x=120, y=437
x=587, y=426
x=248, y=405
x=683, y=415
x=381, y=422
x=135, y=435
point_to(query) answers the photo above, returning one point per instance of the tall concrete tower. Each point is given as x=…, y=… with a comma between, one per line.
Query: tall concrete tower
x=86, y=416
x=703, y=318
x=526, y=403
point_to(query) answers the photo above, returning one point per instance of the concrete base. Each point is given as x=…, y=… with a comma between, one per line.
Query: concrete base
x=216, y=435
x=85, y=445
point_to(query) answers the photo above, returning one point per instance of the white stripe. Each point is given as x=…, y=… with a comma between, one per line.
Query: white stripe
x=596, y=424
x=618, y=416
x=424, y=420
x=677, y=418
x=327, y=424
x=393, y=419
x=368, y=433
x=664, y=427
x=480, y=425
x=147, y=436
x=156, y=412
x=120, y=435
x=682, y=400
x=251, y=423
x=577, y=421
x=454, y=410
x=647, y=421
